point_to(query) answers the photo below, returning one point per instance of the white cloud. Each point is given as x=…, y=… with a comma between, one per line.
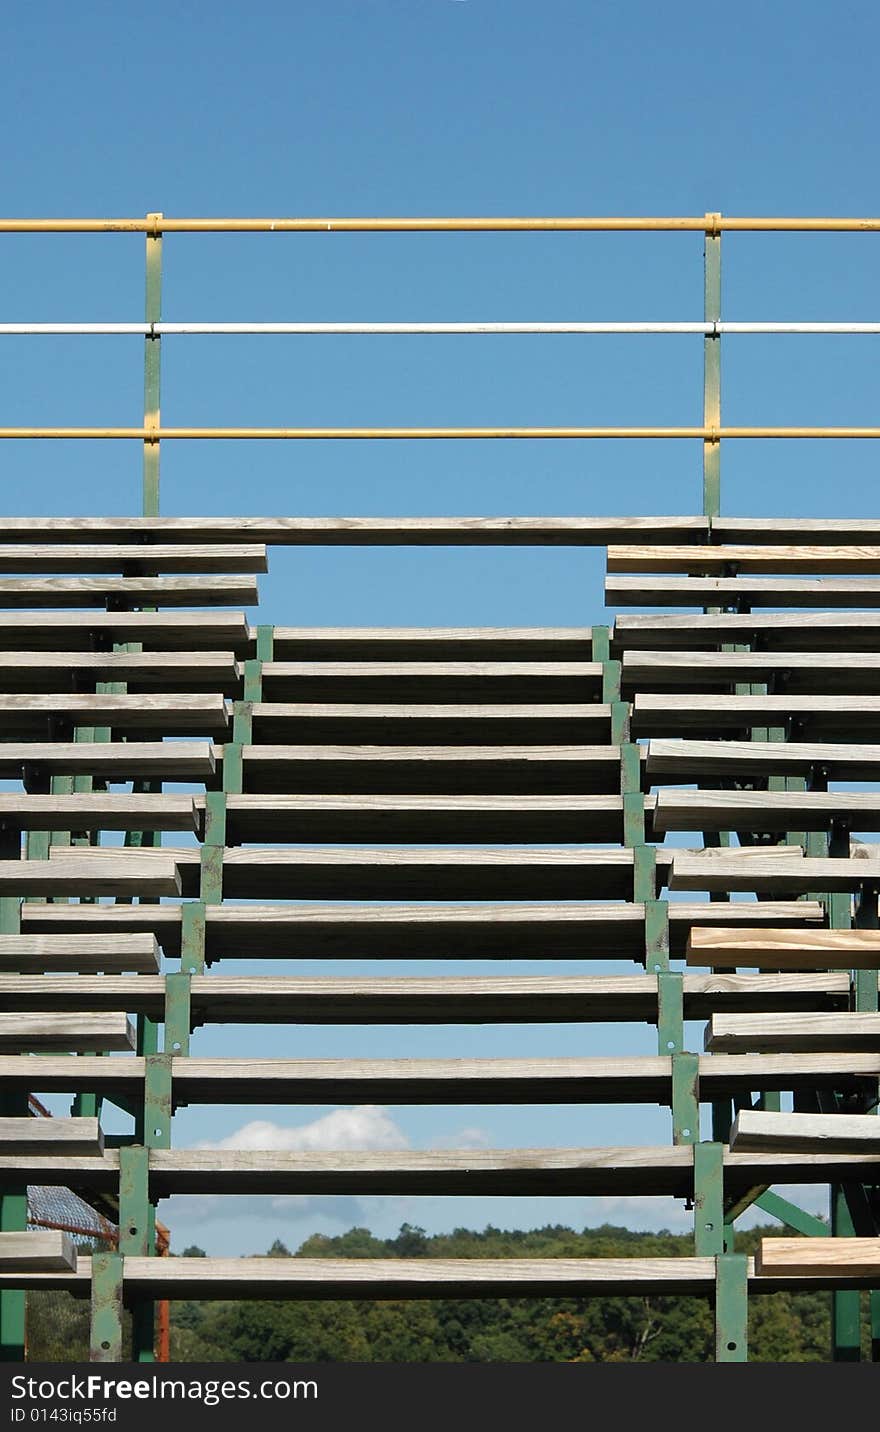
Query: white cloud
x=365, y=1127
x=469, y=1138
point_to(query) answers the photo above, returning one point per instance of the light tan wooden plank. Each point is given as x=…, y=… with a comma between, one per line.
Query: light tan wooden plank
x=81, y=875
x=415, y=681
x=53, y=1138
x=87, y=1033
x=725, y=559
x=761, y=872
x=840, y=1258
x=41, y=1251
x=791, y=1032
x=692, y=760
x=524, y=644
x=182, y=715
x=143, y=671
x=131, y=558
x=811, y=631
x=763, y=1131
x=839, y=717
x=161, y=631
x=144, y=591
x=796, y=529
x=91, y=953
x=446, y=724
x=784, y=949
x=799, y=671
x=113, y=761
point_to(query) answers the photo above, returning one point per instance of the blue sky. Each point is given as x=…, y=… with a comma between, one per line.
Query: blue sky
x=437, y=107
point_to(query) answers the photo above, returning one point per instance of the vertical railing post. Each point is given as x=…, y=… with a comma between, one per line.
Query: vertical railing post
x=152, y=367
x=712, y=367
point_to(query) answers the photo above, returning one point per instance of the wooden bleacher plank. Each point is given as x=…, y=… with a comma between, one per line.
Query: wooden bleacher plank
x=391, y=644
x=812, y=530
x=38, y=1251
x=791, y=1032
x=97, y=952
x=783, y=949
x=91, y=811
x=133, y=558
x=444, y=770
x=110, y=761
x=356, y=531
x=90, y=872
x=571, y=931
x=798, y=672
x=25, y=1138
x=439, y=999
x=486, y=681
x=438, y=725
x=424, y=818
x=842, y=1259
x=181, y=715
x=765, y=1131
x=756, y=811
x=801, y=631
x=136, y=591
x=818, y=593
x=725, y=559
x=161, y=631
x=142, y=671
x=88, y=1033
x=686, y=760
x=815, y=717
x=789, y=875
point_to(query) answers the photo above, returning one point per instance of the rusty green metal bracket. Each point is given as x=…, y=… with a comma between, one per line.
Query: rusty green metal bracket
x=685, y=1098
x=644, y=874
x=178, y=1013
x=242, y=722
x=106, y=1318
x=708, y=1200
x=157, y=1101
x=731, y=1307
x=670, y=1013
x=135, y=1209
x=656, y=936
x=192, y=938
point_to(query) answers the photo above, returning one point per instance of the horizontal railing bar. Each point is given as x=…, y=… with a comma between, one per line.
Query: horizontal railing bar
x=159, y=330
x=704, y=223
x=704, y=434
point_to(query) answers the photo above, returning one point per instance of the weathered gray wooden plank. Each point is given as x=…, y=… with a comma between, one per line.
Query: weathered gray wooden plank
x=791, y=1032
x=445, y=724
x=815, y=717
x=763, y=1131
x=88, y=1033
x=25, y=1138
x=113, y=761
x=717, y=871
x=796, y=672
x=521, y=644
x=820, y=592
x=161, y=631
x=764, y=810
x=91, y=953
x=134, y=559
x=181, y=715
x=89, y=811
x=138, y=591
x=809, y=631
x=572, y=930
x=727, y=559
x=142, y=671
x=40, y=1251
x=83, y=875
x=689, y=760
x=415, y=681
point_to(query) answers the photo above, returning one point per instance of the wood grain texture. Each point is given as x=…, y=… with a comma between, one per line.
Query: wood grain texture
x=159, y=631
x=815, y=530
x=115, y=761
x=523, y=644
x=818, y=592
x=797, y=631
x=590, y=931
x=88, y=811
x=82, y=875
x=787, y=875
x=410, y=818
x=438, y=999
x=447, y=724
x=415, y=681
x=93, y=953
x=25, y=1138
x=426, y=770
x=87, y=1033
x=723, y=559
x=764, y=810
x=791, y=1032
x=132, y=558
x=815, y=717
x=796, y=672
x=180, y=715
x=142, y=671
x=40, y=1251
x=763, y=1131
x=840, y=1258
x=784, y=949
x=692, y=760
x=138, y=591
